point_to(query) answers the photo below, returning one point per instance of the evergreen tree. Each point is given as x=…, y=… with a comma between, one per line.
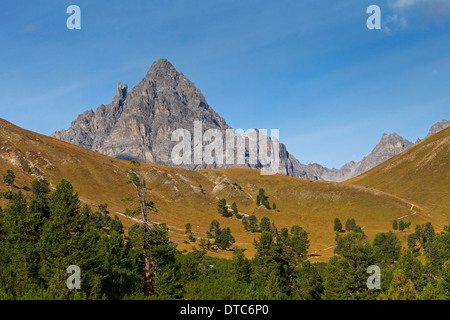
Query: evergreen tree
x=163, y=269
x=337, y=225
x=444, y=283
x=214, y=227
x=226, y=239
x=299, y=242
x=401, y=288
x=103, y=208
x=308, y=284
x=245, y=223
x=401, y=225
x=438, y=251
x=350, y=224
x=387, y=247
x=41, y=237
x=9, y=178
x=429, y=293
x=268, y=266
x=395, y=225
x=358, y=229
x=187, y=228
x=222, y=207
x=191, y=264
x=426, y=235
x=40, y=188
x=357, y=256
x=334, y=284
x=116, y=225
x=261, y=198
x=265, y=224
x=234, y=209
x=252, y=223
x=413, y=269
x=241, y=267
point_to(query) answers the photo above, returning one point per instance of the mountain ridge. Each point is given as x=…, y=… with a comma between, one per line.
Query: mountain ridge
x=138, y=123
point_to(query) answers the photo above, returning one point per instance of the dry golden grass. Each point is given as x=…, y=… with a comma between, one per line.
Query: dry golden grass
x=100, y=179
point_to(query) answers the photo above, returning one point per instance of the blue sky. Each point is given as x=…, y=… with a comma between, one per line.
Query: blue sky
x=309, y=68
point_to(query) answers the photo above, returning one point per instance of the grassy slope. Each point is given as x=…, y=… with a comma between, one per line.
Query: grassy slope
x=176, y=193
x=421, y=175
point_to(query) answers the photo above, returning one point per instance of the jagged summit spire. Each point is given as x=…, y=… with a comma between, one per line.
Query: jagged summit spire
x=121, y=93
x=162, y=67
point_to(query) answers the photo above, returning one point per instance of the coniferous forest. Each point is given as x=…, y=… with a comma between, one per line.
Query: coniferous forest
x=45, y=232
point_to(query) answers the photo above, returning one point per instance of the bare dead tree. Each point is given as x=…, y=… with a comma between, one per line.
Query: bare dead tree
x=137, y=182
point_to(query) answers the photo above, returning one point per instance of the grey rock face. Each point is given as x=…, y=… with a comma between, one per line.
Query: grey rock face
x=389, y=146
x=138, y=125
x=439, y=126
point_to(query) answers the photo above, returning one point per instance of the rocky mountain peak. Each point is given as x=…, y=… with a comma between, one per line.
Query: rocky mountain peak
x=162, y=69
x=138, y=125
x=393, y=140
x=439, y=126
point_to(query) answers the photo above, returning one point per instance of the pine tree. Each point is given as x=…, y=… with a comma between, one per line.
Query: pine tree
x=235, y=210
x=103, y=208
x=429, y=293
x=413, y=269
x=261, y=198
x=252, y=223
x=308, y=284
x=337, y=225
x=226, y=239
x=265, y=224
x=159, y=255
x=222, y=208
x=444, y=283
x=245, y=223
x=395, y=225
x=350, y=224
x=9, y=178
x=334, y=284
x=401, y=288
x=387, y=247
x=357, y=256
x=188, y=229
x=241, y=267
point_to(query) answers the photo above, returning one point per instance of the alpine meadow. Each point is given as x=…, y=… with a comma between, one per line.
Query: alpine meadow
x=313, y=163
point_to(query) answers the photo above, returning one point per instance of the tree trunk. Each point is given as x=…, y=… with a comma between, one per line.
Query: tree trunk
x=148, y=278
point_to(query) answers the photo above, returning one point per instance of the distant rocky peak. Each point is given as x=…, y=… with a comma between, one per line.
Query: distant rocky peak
x=392, y=141
x=438, y=126
x=162, y=69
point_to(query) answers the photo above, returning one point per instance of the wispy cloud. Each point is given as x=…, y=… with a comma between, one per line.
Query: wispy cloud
x=402, y=4
x=405, y=13
x=405, y=3
x=394, y=22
